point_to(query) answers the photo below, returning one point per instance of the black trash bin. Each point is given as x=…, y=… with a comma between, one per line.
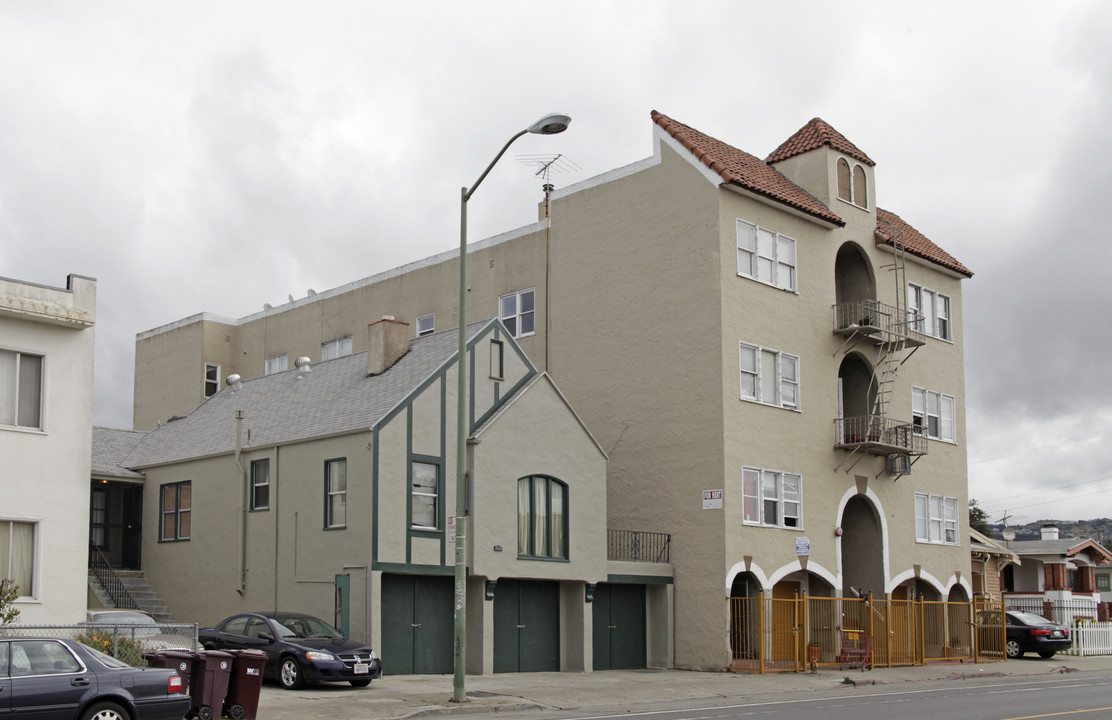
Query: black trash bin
x=180, y=660
x=211, y=671
x=242, y=702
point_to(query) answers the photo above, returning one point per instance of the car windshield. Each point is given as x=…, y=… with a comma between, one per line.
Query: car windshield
x=308, y=627
x=105, y=660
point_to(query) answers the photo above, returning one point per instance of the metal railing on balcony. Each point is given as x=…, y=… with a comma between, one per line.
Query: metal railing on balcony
x=637, y=546
x=111, y=582
x=879, y=435
x=879, y=322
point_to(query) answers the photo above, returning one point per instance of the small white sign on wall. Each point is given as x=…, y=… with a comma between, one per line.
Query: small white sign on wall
x=802, y=546
x=712, y=499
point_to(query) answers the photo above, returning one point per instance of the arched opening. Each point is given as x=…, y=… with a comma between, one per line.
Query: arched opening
x=745, y=632
x=854, y=281
x=845, y=190
x=860, y=189
x=862, y=549
x=856, y=396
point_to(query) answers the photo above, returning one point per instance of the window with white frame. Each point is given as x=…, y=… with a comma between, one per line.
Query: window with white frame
x=212, y=379
x=769, y=376
x=277, y=364
x=765, y=256
x=424, y=514
x=335, y=493
x=176, y=507
x=936, y=519
x=542, y=521
x=337, y=348
x=426, y=324
x=771, y=497
x=17, y=554
x=260, y=484
x=20, y=389
x=517, y=312
x=932, y=414
x=929, y=311
x=852, y=183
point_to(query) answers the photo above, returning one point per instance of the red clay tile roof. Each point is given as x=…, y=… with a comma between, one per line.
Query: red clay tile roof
x=890, y=225
x=745, y=170
x=814, y=135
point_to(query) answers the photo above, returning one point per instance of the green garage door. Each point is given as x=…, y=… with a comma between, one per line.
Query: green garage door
x=417, y=623
x=526, y=626
x=618, y=619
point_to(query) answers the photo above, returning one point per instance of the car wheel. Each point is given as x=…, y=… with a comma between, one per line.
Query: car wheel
x=1046, y=654
x=1013, y=649
x=360, y=683
x=289, y=674
x=105, y=711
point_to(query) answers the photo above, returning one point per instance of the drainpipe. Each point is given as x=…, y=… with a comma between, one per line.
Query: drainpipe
x=242, y=589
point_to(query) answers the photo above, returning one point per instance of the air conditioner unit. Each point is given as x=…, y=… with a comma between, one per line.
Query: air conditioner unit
x=899, y=464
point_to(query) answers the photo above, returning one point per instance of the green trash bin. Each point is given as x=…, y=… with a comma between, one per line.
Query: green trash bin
x=242, y=702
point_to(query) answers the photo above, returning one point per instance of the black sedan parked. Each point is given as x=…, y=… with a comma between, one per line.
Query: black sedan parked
x=1028, y=632
x=61, y=679
x=299, y=648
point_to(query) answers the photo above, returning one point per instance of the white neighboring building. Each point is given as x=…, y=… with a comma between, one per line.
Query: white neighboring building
x=46, y=421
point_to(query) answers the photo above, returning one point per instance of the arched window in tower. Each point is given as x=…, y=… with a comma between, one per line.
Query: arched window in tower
x=845, y=189
x=860, y=189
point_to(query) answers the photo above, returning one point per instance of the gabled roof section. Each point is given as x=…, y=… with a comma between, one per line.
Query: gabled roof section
x=741, y=169
x=812, y=136
x=891, y=227
x=336, y=397
x=1064, y=547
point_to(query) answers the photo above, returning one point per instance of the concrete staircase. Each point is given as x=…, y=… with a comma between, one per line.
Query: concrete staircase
x=139, y=589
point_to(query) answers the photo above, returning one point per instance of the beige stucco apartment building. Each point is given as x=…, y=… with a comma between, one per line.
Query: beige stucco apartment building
x=772, y=363
x=46, y=420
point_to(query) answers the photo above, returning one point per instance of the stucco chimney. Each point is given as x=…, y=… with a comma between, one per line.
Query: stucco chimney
x=1048, y=532
x=389, y=340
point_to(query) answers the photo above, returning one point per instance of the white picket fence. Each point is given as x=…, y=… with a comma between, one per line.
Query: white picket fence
x=1091, y=638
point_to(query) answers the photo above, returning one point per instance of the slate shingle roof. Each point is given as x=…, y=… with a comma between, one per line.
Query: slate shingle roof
x=889, y=226
x=744, y=170
x=111, y=448
x=336, y=397
x=812, y=136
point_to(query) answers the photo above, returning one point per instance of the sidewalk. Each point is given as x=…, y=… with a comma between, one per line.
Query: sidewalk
x=403, y=696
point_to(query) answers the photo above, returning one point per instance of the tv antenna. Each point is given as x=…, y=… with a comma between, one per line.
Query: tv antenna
x=547, y=165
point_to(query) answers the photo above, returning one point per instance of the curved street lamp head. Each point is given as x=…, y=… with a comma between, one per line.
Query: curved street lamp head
x=550, y=124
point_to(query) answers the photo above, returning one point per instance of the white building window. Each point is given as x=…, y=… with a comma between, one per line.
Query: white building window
x=765, y=256
x=277, y=364
x=769, y=376
x=929, y=311
x=335, y=348
x=932, y=414
x=212, y=379
x=852, y=183
x=17, y=554
x=335, y=493
x=936, y=519
x=426, y=325
x=517, y=312
x=20, y=389
x=771, y=498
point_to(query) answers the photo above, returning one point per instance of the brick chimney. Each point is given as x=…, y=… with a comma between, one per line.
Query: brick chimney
x=1048, y=532
x=389, y=340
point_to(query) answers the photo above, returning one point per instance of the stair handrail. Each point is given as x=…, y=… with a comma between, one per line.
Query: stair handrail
x=106, y=574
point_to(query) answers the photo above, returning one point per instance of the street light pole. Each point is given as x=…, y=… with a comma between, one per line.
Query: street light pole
x=548, y=125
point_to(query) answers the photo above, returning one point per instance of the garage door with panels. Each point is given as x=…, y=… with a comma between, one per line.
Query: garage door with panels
x=526, y=626
x=417, y=622
x=618, y=626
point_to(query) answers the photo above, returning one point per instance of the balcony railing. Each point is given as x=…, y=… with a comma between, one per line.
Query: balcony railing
x=878, y=322
x=879, y=435
x=637, y=546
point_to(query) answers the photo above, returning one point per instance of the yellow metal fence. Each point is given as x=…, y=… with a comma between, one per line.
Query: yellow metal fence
x=771, y=635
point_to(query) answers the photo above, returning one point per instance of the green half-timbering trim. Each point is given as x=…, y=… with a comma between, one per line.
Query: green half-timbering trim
x=639, y=579
x=407, y=569
x=374, y=496
x=416, y=532
x=496, y=331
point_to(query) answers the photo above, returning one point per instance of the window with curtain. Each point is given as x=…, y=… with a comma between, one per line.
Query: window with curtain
x=17, y=554
x=20, y=389
x=335, y=493
x=424, y=513
x=542, y=520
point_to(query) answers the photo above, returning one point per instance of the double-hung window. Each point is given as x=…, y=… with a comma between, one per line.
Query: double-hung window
x=335, y=493
x=20, y=389
x=936, y=519
x=771, y=497
x=929, y=311
x=542, y=520
x=426, y=325
x=337, y=348
x=517, y=312
x=277, y=364
x=176, y=506
x=932, y=414
x=424, y=514
x=212, y=379
x=765, y=256
x=260, y=484
x=769, y=376
x=17, y=554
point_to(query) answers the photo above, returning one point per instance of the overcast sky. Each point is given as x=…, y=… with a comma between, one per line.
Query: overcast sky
x=215, y=156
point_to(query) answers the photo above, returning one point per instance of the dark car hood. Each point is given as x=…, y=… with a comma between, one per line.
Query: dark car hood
x=333, y=645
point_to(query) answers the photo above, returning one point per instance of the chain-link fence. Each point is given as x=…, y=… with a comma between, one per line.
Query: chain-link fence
x=125, y=641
